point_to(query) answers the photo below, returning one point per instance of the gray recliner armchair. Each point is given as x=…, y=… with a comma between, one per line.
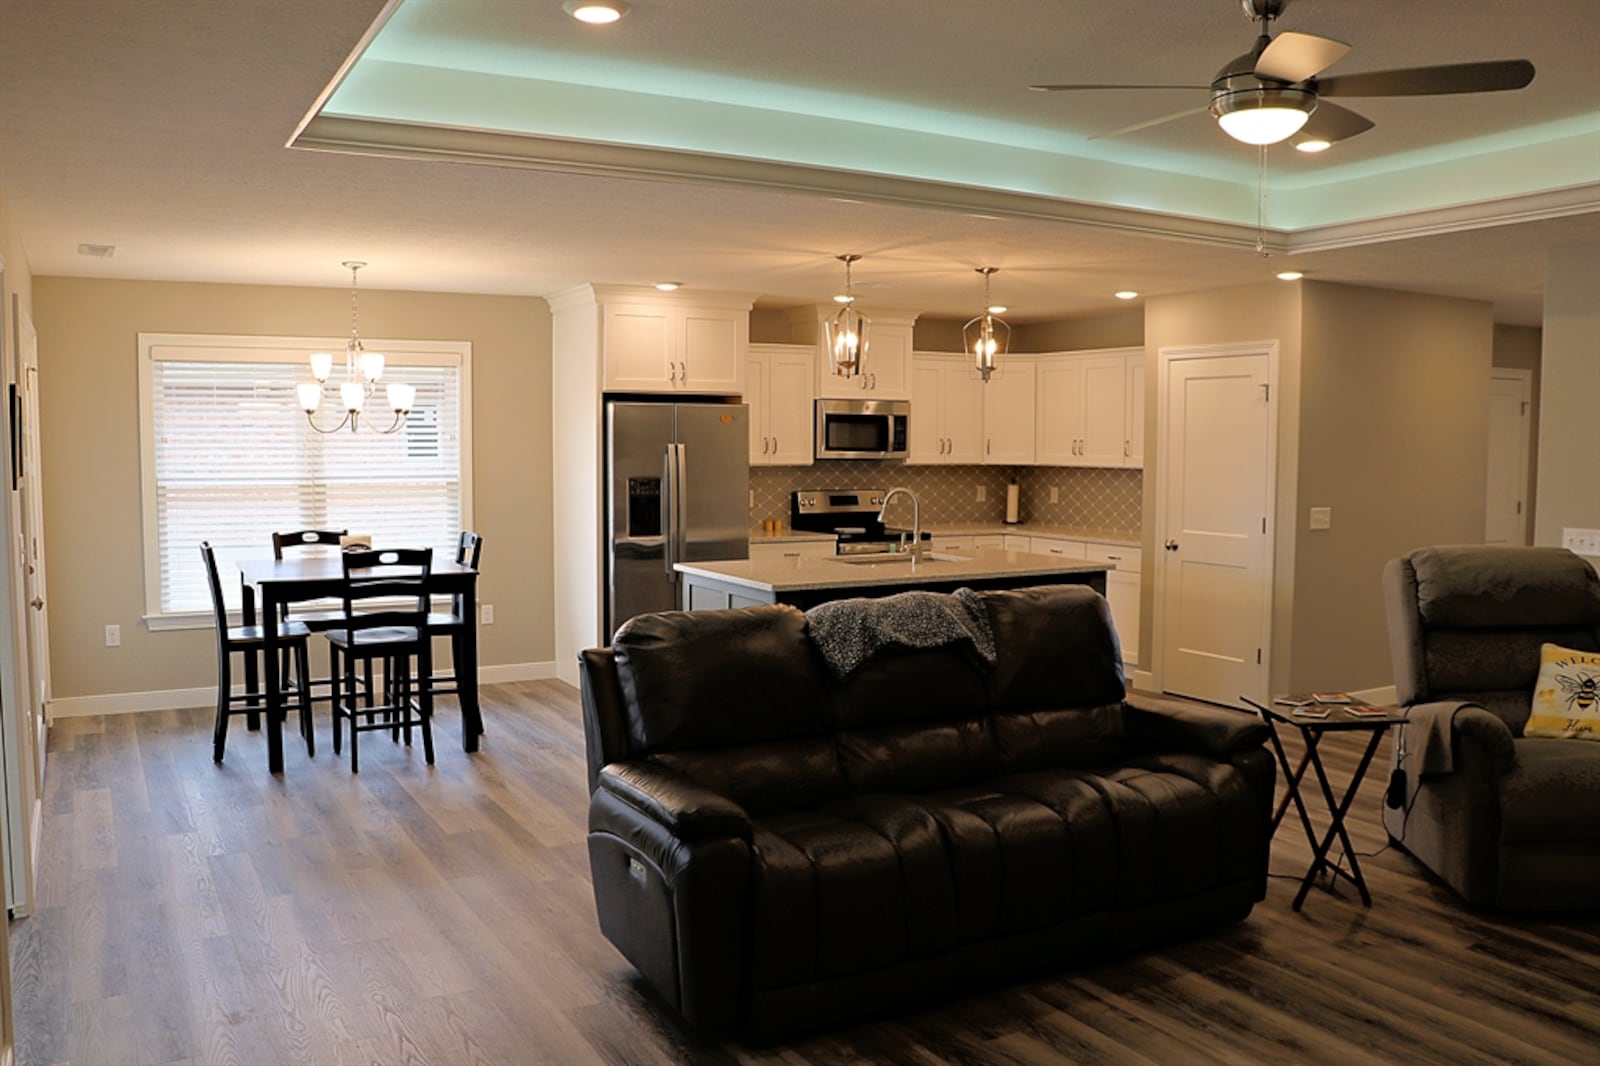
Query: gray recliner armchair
x=1505, y=820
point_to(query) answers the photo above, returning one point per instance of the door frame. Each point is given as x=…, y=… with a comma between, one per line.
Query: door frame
x=1165, y=359
x=1524, y=378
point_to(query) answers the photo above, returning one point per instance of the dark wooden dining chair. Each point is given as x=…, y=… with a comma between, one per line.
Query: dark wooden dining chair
x=385, y=599
x=469, y=549
x=317, y=620
x=293, y=638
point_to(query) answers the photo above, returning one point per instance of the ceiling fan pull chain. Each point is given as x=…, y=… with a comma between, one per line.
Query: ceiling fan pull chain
x=1261, y=202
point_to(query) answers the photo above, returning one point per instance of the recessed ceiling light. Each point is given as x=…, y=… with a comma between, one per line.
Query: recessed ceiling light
x=669, y=286
x=1313, y=145
x=1290, y=275
x=595, y=12
x=997, y=309
x=1126, y=294
x=101, y=251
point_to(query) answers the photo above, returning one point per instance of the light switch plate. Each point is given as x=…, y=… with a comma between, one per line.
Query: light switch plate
x=1582, y=541
x=983, y=494
x=1321, y=517
x=1055, y=494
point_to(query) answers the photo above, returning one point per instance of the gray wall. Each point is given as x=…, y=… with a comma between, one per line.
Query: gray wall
x=1569, y=395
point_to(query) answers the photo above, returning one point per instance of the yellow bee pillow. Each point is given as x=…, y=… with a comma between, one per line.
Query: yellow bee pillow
x=1566, y=699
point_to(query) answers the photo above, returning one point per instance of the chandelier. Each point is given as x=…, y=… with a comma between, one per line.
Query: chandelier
x=846, y=331
x=362, y=369
x=986, y=336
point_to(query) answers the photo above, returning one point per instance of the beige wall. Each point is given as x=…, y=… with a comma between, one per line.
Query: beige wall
x=1517, y=348
x=89, y=392
x=1268, y=312
x=1569, y=393
x=1123, y=329
x=1394, y=435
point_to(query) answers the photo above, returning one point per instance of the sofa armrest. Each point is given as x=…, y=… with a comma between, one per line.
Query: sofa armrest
x=684, y=807
x=1153, y=722
x=1433, y=730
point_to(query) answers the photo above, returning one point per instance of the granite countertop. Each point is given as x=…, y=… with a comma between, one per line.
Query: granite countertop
x=828, y=572
x=789, y=536
x=1034, y=529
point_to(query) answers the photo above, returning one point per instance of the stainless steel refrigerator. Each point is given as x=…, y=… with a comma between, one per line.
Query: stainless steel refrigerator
x=677, y=490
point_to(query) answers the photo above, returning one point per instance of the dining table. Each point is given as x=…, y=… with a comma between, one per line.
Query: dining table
x=279, y=582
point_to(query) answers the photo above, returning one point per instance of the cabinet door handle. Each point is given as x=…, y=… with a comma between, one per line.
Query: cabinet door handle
x=774, y=445
x=874, y=382
x=1125, y=446
x=988, y=447
x=1113, y=558
x=764, y=445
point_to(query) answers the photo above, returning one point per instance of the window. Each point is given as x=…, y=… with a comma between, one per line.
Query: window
x=228, y=457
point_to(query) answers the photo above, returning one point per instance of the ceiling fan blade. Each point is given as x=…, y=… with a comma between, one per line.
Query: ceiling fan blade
x=1074, y=88
x=1151, y=122
x=1297, y=56
x=1332, y=123
x=1489, y=77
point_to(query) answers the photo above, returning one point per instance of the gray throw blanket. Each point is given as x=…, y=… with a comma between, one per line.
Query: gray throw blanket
x=849, y=632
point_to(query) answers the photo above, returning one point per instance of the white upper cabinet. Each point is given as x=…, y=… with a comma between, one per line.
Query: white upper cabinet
x=947, y=420
x=1008, y=413
x=1091, y=408
x=653, y=342
x=778, y=382
x=886, y=371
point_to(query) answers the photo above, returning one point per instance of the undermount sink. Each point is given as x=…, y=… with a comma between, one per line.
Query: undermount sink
x=899, y=558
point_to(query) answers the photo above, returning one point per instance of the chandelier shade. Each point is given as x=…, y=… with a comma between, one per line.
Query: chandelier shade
x=362, y=372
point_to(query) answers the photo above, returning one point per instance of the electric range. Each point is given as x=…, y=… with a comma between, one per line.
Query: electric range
x=849, y=514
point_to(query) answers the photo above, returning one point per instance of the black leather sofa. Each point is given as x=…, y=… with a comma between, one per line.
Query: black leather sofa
x=776, y=849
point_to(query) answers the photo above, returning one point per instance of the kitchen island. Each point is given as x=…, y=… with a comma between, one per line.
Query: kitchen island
x=805, y=582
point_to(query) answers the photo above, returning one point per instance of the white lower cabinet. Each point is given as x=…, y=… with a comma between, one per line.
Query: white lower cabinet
x=1057, y=546
x=1016, y=542
x=951, y=544
x=989, y=540
x=1122, y=592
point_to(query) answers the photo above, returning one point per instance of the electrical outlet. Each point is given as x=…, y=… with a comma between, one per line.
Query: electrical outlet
x=487, y=612
x=113, y=636
x=1582, y=541
x=1055, y=494
x=983, y=494
x=1322, y=518
x=752, y=497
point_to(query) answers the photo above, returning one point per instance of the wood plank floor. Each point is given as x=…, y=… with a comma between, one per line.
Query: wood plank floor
x=192, y=913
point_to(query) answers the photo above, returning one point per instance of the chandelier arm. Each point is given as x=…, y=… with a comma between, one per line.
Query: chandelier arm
x=311, y=420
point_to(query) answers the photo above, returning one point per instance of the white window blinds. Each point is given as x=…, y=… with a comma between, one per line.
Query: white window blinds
x=231, y=460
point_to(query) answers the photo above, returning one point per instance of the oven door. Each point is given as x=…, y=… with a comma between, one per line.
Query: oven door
x=861, y=429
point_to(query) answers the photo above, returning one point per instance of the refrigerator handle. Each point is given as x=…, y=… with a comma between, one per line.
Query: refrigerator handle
x=669, y=509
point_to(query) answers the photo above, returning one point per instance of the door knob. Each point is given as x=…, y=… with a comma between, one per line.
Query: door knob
x=1171, y=545
x=38, y=603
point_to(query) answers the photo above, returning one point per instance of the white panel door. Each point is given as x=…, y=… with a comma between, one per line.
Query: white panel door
x=1504, y=521
x=1216, y=481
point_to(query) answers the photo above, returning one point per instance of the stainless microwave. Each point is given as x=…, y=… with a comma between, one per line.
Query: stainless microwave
x=862, y=429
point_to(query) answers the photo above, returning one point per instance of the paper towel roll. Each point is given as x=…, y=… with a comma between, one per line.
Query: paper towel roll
x=1012, y=497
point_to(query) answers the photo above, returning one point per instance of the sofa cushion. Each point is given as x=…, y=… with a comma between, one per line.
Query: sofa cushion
x=915, y=758
x=766, y=778
x=1479, y=585
x=1549, y=793
x=857, y=885
x=1493, y=659
x=1033, y=629
x=719, y=678
x=897, y=685
x=1062, y=739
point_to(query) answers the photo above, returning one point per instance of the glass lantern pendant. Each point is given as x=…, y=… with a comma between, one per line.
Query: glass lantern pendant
x=846, y=332
x=986, y=337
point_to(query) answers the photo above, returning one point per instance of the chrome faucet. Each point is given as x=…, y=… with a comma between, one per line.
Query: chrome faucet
x=916, y=519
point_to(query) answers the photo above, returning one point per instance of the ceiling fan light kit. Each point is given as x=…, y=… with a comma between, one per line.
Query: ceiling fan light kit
x=1272, y=92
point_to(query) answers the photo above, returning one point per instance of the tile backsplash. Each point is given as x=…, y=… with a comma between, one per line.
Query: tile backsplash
x=1098, y=499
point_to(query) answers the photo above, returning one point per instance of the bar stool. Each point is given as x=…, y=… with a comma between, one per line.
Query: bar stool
x=293, y=638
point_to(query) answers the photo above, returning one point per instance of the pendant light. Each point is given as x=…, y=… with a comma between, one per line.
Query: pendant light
x=986, y=337
x=846, y=331
x=362, y=370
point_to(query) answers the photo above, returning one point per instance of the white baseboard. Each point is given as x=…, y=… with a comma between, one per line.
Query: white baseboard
x=171, y=699
x=1144, y=680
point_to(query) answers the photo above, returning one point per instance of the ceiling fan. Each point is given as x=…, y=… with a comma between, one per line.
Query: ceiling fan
x=1272, y=92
